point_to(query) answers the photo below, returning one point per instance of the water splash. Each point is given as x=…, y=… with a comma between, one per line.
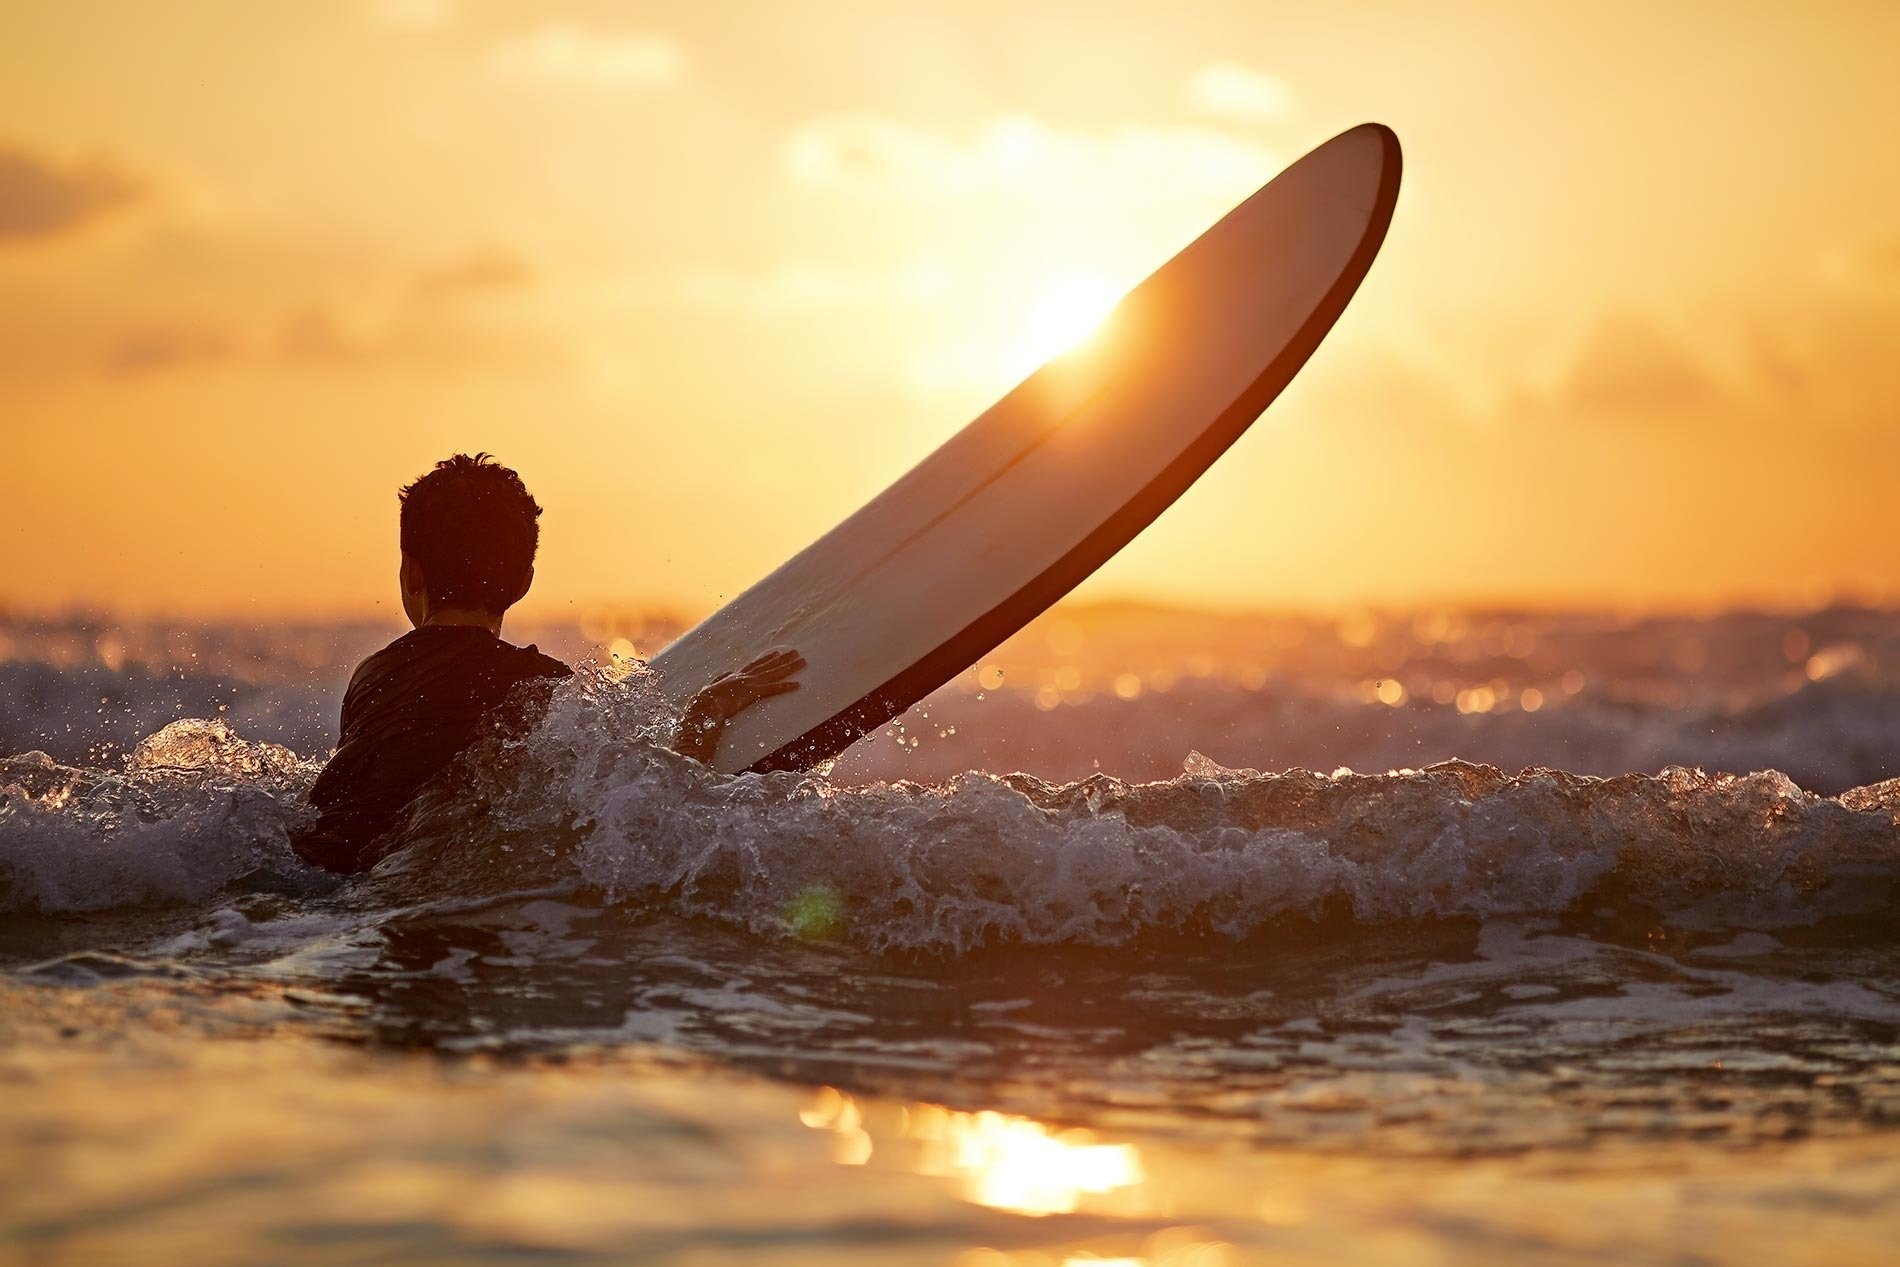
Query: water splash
x=982, y=859
x=588, y=804
x=196, y=808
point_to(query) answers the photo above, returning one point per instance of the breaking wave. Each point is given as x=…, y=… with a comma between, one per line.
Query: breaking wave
x=195, y=809
x=586, y=805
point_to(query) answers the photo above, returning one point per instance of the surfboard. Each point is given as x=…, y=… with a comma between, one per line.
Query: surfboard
x=1022, y=504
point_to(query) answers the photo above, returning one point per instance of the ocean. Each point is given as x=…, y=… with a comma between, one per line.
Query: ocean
x=1158, y=937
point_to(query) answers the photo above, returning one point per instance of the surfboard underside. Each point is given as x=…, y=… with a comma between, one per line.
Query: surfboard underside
x=1035, y=494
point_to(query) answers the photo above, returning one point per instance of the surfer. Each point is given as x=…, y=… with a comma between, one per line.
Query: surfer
x=468, y=532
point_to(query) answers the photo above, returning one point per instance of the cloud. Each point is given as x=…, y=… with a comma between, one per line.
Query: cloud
x=42, y=199
x=1627, y=367
x=319, y=336
x=565, y=56
x=487, y=270
x=413, y=15
x=1829, y=347
x=425, y=326
x=1230, y=90
x=805, y=286
x=160, y=348
x=422, y=317
x=1813, y=356
x=314, y=333
x=417, y=319
x=867, y=152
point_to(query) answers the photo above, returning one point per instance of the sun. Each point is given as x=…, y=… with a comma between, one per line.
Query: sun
x=1066, y=314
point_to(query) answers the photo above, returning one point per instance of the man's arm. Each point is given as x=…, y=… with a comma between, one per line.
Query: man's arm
x=730, y=694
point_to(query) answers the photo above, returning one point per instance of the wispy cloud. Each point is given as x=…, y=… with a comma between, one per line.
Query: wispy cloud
x=1020, y=150
x=315, y=333
x=158, y=348
x=326, y=335
x=41, y=198
x=806, y=285
x=1628, y=368
x=432, y=316
x=1230, y=90
x=443, y=315
x=488, y=270
x=563, y=55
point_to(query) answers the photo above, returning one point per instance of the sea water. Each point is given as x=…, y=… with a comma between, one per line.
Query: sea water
x=1157, y=938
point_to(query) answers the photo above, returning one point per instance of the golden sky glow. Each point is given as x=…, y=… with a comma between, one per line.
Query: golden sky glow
x=711, y=275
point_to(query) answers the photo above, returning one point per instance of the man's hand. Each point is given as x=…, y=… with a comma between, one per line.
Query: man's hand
x=730, y=694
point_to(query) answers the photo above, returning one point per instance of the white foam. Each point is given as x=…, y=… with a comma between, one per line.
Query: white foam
x=983, y=858
x=587, y=807
x=196, y=808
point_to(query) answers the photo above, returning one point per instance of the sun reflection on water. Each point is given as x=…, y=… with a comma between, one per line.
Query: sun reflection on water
x=1001, y=1160
x=1016, y=1163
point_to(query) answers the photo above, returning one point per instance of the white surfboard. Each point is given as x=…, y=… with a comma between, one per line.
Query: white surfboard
x=1020, y=506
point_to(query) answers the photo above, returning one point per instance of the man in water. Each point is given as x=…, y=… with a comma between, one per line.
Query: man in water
x=469, y=534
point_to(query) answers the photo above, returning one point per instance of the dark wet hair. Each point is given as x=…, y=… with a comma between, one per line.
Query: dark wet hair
x=470, y=524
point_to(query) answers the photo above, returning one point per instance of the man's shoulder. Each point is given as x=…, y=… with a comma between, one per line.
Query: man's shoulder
x=533, y=662
x=378, y=662
x=431, y=651
x=373, y=673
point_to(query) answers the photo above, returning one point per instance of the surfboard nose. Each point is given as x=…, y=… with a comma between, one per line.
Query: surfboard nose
x=1372, y=136
x=1388, y=141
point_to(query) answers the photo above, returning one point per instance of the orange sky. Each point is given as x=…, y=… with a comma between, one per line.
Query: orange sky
x=711, y=275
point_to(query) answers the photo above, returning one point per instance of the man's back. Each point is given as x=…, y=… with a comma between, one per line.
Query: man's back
x=468, y=531
x=410, y=710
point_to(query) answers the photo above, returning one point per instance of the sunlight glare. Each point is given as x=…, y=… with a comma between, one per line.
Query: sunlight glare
x=1067, y=314
x=1002, y=1160
x=1015, y=1163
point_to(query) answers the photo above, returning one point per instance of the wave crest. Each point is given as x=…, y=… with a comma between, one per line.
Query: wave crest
x=196, y=808
x=982, y=859
x=588, y=804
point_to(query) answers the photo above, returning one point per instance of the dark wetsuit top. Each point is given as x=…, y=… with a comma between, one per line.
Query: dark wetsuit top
x=410, y=710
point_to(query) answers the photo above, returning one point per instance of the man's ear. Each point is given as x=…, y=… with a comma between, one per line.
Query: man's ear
x=526, y=582
x=410, y=576
x=415, y=590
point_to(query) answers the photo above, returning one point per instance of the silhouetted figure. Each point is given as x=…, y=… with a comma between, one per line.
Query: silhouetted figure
x=469, y=529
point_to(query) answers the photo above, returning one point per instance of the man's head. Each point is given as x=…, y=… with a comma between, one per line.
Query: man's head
x=469, y=533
